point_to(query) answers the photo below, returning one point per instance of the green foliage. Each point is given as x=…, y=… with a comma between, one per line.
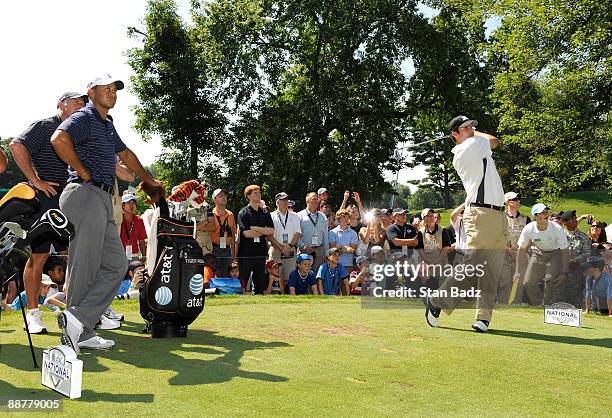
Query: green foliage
x=552, y=90
x=176, y=100
x=319, y=89
x=13, y=174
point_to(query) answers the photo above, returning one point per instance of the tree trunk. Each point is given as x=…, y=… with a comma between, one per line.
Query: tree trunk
x=193, y=159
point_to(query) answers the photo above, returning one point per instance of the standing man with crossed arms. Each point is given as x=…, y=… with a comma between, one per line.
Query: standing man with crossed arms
x=486, y=224
x=47, y=173
x=88, y=143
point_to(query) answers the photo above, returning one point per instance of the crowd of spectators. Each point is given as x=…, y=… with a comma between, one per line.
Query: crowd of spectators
x=320, y=251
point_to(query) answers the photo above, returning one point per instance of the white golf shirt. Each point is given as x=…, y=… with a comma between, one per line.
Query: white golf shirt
x=553, y=238
x=468, y=161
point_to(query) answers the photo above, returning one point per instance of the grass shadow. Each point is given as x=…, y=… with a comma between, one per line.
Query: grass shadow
x=598, y=342
x=162, y=355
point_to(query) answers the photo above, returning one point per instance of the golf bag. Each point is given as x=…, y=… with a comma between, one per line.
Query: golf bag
x=18, y=229
x=172, y=296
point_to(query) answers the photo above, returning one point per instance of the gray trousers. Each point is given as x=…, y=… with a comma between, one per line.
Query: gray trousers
x=96, y=259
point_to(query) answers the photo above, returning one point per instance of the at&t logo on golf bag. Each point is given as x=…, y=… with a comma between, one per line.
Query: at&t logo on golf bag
x=173, y=296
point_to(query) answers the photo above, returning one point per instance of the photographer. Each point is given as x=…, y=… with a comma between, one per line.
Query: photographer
x=372, y=234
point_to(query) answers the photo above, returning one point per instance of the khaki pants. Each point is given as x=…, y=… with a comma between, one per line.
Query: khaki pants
x=486, y=238
x=203, y=239
x=506, y=282
x=536, y=272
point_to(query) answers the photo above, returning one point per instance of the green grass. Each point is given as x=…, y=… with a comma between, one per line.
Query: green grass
x=300, y=356
x=597, y=203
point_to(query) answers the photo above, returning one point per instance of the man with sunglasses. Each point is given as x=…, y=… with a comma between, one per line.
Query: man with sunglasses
x=47, y=173
x=484, y=219
x=548, y=245
x=516, y=223
x=572, y=289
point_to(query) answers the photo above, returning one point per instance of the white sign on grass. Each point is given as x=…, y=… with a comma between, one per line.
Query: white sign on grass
x=62, y=371
x=563, y=314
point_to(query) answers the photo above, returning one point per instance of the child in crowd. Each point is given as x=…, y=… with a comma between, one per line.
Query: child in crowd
x=210, y=269
x=46, y=284
x=362, y=280
x=130, y=287
x=302, y=280
x=233, y=270
x=275, y=282
x=332, y=275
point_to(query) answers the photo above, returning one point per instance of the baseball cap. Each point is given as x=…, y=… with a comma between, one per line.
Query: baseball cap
x=376, y=249
x=322, y=190
x=291, y=203
x=332, y=251
x=128, y=197
x=425, y=211
x=593, y=261
x=272, y=263
x=46, y=280
x=399, y=211
x=217, y=191
x=104, y=80
x=361, y=259
x=302, y=257
x=538, y=208
x=281, y=196
x=566, y=215
x=385, y=212
x=511, y=195
x=73, y=95
x=461, y=122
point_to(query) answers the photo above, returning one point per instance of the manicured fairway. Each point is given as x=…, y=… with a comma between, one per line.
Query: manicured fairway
x=282, y=356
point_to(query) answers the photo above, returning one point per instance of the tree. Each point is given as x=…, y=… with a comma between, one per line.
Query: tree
x=319, y=87
x=177, y=101
x=13, y=174
x=552, y=89
x=451, y=79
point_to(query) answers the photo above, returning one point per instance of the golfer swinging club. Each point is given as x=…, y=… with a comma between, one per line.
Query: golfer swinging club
x=484, y=221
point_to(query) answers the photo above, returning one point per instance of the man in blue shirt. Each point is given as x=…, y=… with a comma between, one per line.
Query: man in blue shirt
x=302, y=280
x=47, y=173
x=598, y=285
x=88, y=143
x=331, y=274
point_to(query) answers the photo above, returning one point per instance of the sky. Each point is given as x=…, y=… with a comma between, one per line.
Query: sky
x=50, y=47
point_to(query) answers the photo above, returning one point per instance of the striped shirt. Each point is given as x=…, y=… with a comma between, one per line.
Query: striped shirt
x=37, y=140
x=95, y=141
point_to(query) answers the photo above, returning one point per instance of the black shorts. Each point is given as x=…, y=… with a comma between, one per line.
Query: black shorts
x=42, y=244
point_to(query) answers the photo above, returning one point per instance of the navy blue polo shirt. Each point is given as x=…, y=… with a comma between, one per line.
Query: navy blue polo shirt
x=37, y=140
x=95, y=141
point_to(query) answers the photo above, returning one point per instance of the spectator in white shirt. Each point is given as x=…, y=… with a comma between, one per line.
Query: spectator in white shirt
x=287, y=232
x=549, y=245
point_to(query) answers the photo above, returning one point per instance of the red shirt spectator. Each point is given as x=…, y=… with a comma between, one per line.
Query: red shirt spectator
x=132, y=227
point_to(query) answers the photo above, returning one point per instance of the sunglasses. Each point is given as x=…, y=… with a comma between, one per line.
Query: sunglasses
x=516, y=199
x=595, y=226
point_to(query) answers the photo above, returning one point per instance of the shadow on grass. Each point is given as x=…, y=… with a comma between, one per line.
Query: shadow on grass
x=171, y=354
x=144, y=352
x=598, y=342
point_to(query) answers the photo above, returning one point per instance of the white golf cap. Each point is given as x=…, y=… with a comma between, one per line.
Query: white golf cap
x=105, y=80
